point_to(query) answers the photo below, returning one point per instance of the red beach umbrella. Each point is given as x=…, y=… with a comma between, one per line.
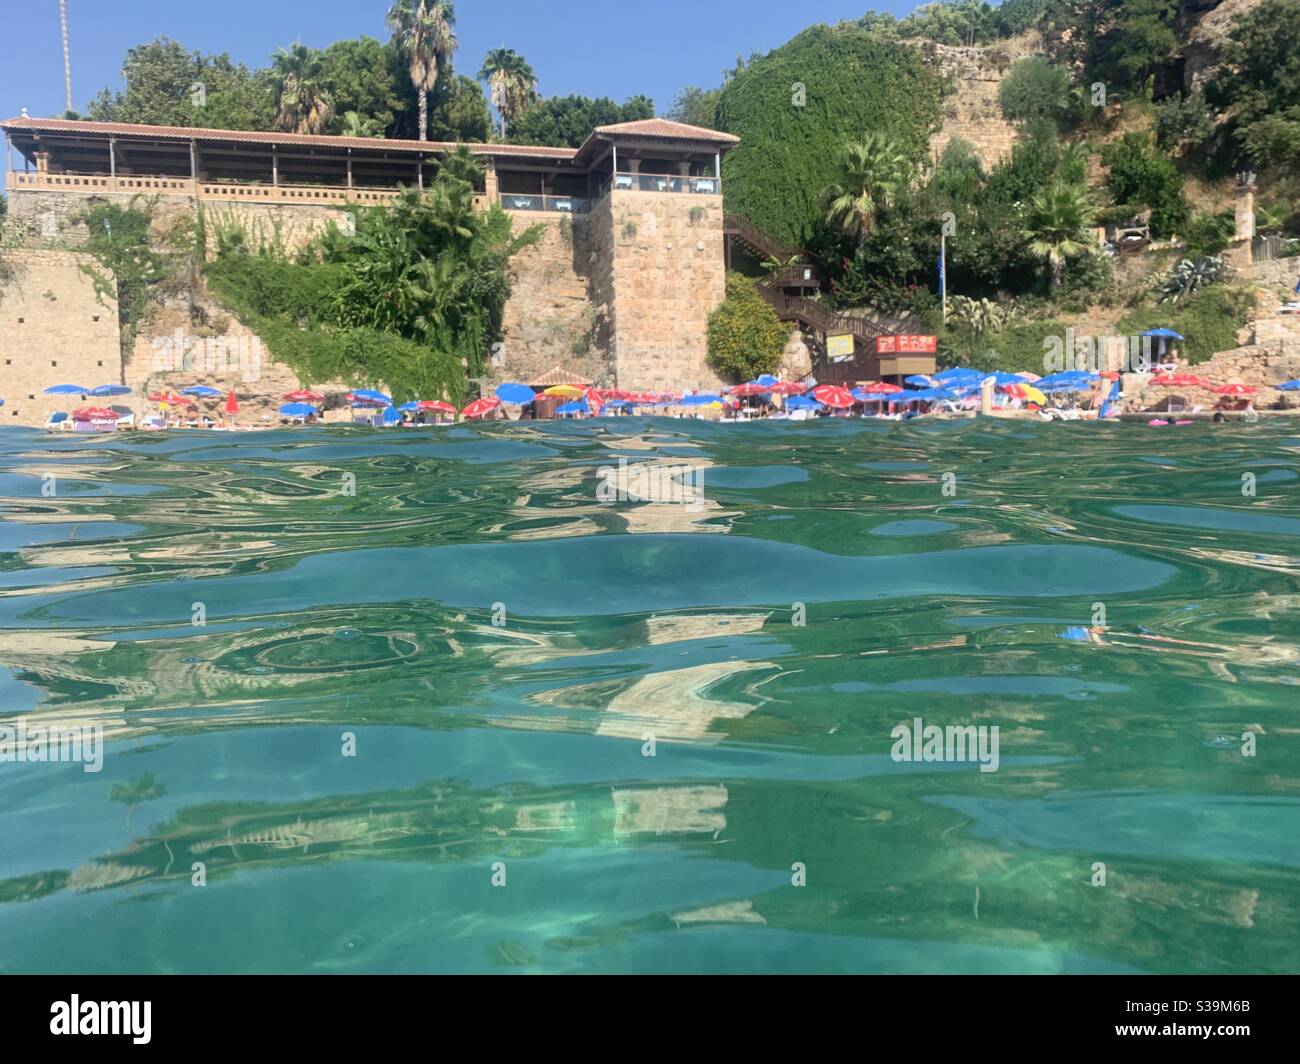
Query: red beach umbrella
x=437, y=406
x=788, y=388
x=95, y=413
x=833, y=395
x=1181, y=380
x=750, y=388
x=1235, y=389
x=881, y=388
x=479, y=407
x=232, y=403
x=303, y=395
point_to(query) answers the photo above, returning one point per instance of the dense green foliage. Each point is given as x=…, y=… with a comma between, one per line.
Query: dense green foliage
x=1142, y=177
x=566, y=121
x=1209, y=319
x=746, y=337
x=413, y=300
x=795, y=107
x=956, y=22
x=696, y=107
x=169, y=86
x=130, y=268
x=1261, y=87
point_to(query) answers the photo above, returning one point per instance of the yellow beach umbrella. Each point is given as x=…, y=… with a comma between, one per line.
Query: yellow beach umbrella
x=1034, y=395
x=568, y=391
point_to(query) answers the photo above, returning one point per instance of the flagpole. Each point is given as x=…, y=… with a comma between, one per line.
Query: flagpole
x=943, y=274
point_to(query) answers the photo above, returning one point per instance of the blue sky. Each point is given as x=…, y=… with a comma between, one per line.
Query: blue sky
x=594, y=47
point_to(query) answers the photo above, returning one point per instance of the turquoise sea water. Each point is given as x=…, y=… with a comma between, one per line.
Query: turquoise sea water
x=499, y=640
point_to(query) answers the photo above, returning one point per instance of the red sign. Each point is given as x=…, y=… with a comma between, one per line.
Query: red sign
x=906, y=345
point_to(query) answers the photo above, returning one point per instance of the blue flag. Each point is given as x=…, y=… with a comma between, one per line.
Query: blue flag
x=943, y=279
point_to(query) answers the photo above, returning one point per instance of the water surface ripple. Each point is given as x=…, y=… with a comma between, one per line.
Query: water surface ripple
x=500, y=640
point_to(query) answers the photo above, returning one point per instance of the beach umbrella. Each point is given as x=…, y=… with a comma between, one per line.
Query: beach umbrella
x=1027, y=391
x=700, y=399
x=750, y=388
x=297, y=410
x=1163, y=333
x=408, y=407
x=766, y=379
x=202, y=391
x=302, y=395
x=1235, y=389
x=515, y=394
x=788, y=388
x=1032, y=378
x=1181, y=380
x=95, y=413
x=802, y=402
x=479, y=407
x=232, y=403
x=881, y=388
x=369, y=397
x=437, y=406
x=105, y=390
x=1003, y=380
x=577, y=406
x=391, y=416
x=66, y=389
x=919, y=380
x=1289, y=386
x=833, y=395
x=564, y=391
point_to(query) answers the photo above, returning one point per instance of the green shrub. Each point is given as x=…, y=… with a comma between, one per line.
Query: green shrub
x=1140, y=176
x=746, y=337
x=1035, y=88
x=1209, y=320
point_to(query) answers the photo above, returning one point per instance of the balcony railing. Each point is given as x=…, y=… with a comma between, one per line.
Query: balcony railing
x=45, y=181
x=524, y=201
x=206, y=190
x=705, y=186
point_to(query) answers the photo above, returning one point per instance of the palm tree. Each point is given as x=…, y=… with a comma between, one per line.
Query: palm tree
x=67, y=61
x=512, y=83
x=356, y=125
x=424, y=30
x=1057, y=226
x=302, y=105
x=871, y=173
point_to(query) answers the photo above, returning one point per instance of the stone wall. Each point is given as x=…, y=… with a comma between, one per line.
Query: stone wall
x=54, y=329
x=972, y=112
x=666, y=274
x=550, y=318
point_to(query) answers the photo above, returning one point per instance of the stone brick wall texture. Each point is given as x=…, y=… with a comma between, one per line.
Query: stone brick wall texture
x=667, y=274
x=53, y=330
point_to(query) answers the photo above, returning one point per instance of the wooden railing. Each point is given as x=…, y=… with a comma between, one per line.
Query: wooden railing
x=742, y=229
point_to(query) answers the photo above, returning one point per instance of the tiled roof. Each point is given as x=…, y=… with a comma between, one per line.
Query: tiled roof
x=662, y=127
x=122, y=129
x=558, y=375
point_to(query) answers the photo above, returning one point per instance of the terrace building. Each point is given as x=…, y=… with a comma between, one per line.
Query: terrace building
x=632, y=259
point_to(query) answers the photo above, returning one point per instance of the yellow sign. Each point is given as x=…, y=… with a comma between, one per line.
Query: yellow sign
x=839, y=347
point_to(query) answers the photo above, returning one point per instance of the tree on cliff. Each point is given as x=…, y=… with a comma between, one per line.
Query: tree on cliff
x=424, y=31
x=1057, y=226
x=870, y=174
x=302, y=104
x=511, y=81
x=746, y=337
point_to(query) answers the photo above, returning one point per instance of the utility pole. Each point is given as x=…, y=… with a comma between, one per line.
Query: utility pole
x=67, y=62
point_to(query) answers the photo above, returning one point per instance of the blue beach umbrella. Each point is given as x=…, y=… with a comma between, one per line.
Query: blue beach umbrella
x=297, y=410
x=1163, y=333
x=703, y=399
x=957, y=373
x=802, y=402
x=919, y=380
x=110, y=389
x=515, y=394
x=391, y=416
x=200, y=391
x=578, y=406
x=765, y=379
x=369, y=395
x=66, y=389
x=1290, y=386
